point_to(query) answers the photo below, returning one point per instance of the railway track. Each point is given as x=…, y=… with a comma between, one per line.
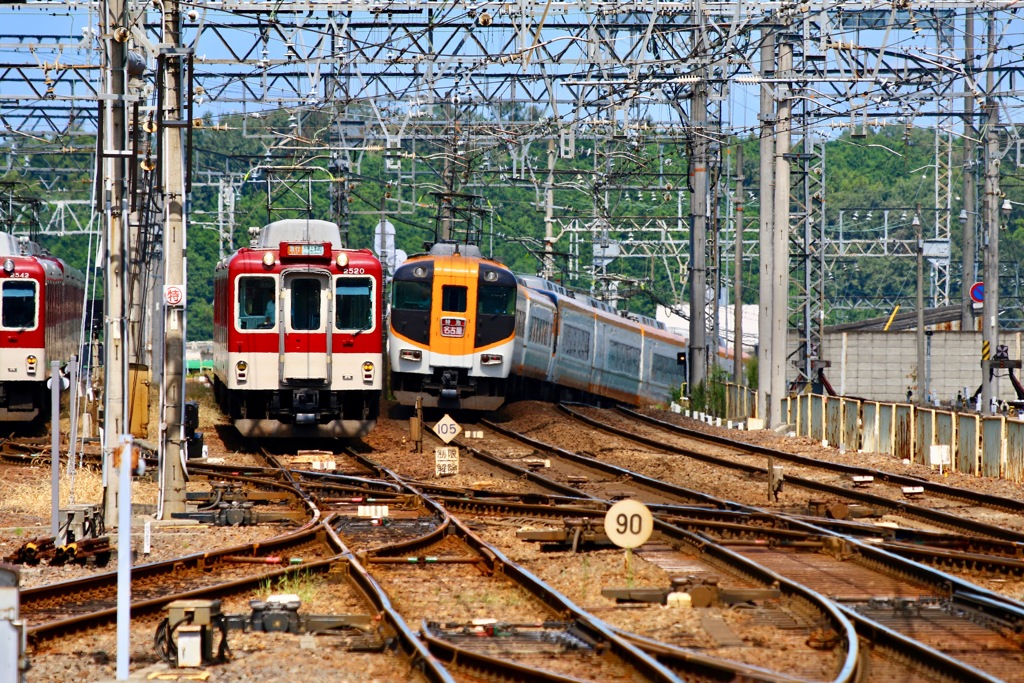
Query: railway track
x=889, y=579
x=484, y=621
x=934, y=503
x=895, y=502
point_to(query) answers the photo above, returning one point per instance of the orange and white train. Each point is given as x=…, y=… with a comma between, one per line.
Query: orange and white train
x=298, y=348
x=42, y=304
x=466, y=333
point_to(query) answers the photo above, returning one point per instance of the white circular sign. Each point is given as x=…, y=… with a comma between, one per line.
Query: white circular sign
x=174, y=295
x=628, y=524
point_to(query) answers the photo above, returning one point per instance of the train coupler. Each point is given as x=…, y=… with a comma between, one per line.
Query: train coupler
x=449, y=384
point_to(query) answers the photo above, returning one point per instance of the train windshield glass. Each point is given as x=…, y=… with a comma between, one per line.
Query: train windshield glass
x=256, y=303
x=453, y=298
x=496, y=300
x=410, y=295
x=19, y=304
x=306, y=301
x=353, y=303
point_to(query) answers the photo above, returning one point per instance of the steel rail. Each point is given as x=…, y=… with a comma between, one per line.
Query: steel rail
x=999, y=607
x=755, y=571
x=418, y=653
x=929, y=515
x=934, y=488
x=555, y=601
x=908, y=569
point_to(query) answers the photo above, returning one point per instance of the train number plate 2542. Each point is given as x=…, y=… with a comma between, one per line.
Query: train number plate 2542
x=453, y=327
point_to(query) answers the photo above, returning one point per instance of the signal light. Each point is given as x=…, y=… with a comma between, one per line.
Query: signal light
x=241, y=370
x=31, y=364
x=367, y=371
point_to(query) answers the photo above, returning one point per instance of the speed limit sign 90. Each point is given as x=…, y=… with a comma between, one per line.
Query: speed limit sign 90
x=628, y=524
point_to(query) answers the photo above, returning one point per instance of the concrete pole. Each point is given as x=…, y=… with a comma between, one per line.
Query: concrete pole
x=990, y=305
x=780, y=242
x=115, y=35
x=922, y=384
x=698, y=350
x=173, y=378
x=970, y=276
x=737, y=288
x=766, y=198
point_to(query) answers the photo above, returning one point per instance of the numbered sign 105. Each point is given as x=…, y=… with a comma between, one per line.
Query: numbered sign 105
x=447, y=429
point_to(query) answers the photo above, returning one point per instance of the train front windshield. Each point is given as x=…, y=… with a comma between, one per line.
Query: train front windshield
x=411, y=295
x=354, y=304
x=19, y=304
x=496, y=300
x=257, y=302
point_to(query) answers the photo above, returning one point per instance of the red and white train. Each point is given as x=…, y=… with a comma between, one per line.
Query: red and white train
x=298, y=348
x=42, y=303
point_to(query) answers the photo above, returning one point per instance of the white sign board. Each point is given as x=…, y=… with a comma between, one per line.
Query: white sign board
x=628, y=524
x=447, y=429
x=940, y=455
x=446, y=461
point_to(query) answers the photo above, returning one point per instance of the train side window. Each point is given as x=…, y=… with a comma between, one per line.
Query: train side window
x=305, y=302
x=19, y=304
x=453, y=298
x=353, y=303
x=496, y=300
x=411, y=295
x=257, y=297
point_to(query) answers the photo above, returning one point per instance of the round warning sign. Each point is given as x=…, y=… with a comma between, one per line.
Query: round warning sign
x=628, y=524
x=174, y=295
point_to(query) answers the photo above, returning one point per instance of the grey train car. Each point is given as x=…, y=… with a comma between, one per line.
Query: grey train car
x=568, y=345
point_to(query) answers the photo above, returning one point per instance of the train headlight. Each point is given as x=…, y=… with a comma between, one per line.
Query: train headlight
x=410, y=354
x=268, y=259
x=419, y=271
x=241, y=370
x=367, y=371
x=31, y=362
x=490, y=359
x=8, y=266
x=490, y=275
x=342, y=260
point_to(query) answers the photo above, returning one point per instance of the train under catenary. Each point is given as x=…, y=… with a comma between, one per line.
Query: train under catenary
x=465, y=332
x=42, y=304
x=298, y=349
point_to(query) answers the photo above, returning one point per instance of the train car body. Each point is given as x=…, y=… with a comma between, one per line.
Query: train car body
x=42, y=303
x=466, y=333
x=298, y=348
x=593, y=349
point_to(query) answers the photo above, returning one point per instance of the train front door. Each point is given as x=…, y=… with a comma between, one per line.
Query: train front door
x=305, y=309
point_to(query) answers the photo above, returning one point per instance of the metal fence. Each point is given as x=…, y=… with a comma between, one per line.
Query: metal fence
x=990, y=446
x=740, y=400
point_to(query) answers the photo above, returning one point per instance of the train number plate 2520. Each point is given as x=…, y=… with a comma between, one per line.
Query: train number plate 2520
x=453, y=327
